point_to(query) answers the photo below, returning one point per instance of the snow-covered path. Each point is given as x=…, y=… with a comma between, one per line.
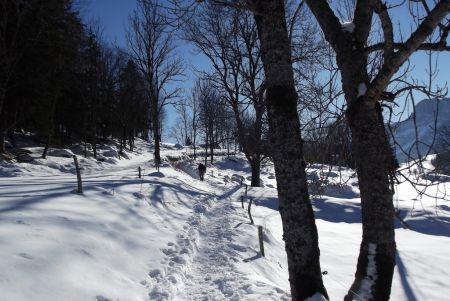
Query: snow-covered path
x=213, y=275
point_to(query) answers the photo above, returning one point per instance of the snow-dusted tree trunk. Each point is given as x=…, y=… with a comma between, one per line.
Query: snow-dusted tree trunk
x=300, y=232
x=374, y=162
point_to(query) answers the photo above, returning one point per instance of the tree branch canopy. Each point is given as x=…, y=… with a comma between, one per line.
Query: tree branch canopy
x=327, y=20
x=423, y=31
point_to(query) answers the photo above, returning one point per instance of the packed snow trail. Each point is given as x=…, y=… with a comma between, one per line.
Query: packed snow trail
x=205, y=262
x=213, y=275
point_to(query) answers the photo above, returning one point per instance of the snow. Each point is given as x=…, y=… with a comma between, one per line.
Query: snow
x=369, y=280
x=362, y=89
x=169, y=236
x=427, y=112
x=348, y=27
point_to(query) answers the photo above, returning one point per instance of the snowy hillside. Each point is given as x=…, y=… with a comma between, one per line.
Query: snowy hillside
x=431, y=116
x=169, y=236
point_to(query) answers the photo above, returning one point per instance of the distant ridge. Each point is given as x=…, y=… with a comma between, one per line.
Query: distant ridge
x=432, y=115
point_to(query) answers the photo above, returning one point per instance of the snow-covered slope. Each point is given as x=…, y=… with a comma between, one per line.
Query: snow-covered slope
x=431, y=116
x=170, y=236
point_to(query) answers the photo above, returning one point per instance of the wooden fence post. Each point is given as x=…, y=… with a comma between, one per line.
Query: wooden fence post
x=261, y=240
x=242, y=201
x=242, y=179
x=249, y=211
x=139, y=172
x=246, y=188
x=80, y=186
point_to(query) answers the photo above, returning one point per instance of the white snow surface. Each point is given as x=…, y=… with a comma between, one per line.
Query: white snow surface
x=371, y=274
x=169, y=236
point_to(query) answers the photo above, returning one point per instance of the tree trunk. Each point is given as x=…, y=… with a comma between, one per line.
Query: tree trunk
x=120, y=148
x=124, y=137
x=300, y=232
x=3, y=86
x=2, y=141
x=156, y=134
x=157, y=147
x=195, y=155
x=373, y=158
x=211, y=146
x=228, y=146
x=374, y=161
x=47, y=143
x=206, y=149
x=94, y=144
x=255, y=165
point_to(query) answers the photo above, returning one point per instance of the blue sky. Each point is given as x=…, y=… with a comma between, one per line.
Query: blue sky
x=113, y=16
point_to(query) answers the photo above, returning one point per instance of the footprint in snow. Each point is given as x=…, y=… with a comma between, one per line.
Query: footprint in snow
x=154, y=273
x=84, y=252
x=26, y=256
x=21, y=222
x=169, y=251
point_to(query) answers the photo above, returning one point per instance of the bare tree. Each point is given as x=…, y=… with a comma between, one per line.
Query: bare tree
x=195, y=120
x=363, y=92
x=183, y=122
x=152, y=47
x=211, y=112
x=228, y=38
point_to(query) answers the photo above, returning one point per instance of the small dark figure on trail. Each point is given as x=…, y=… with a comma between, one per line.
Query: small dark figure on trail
x=201, y=171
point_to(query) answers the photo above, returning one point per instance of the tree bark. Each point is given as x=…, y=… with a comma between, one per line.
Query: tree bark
x=47, y=143
x=255, y=164
x=2, y=140
x=374, y=161
x=156, y=131
x=300, y=232
x=94, y=144
x=211, y=145
x=123, y=143
x=371, y=152
x=195, y=148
